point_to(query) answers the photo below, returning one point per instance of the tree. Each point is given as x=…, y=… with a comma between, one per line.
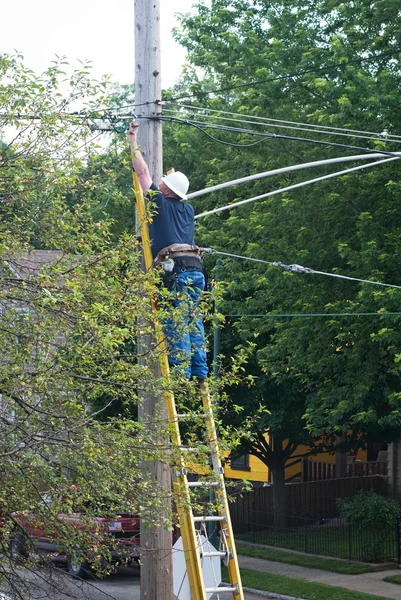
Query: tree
x=330, y=63
x=72, y=299
x=273, y=414
x=106, y=177
x=69, y=315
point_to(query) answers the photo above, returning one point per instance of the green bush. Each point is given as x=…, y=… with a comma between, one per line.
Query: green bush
x=370, y=509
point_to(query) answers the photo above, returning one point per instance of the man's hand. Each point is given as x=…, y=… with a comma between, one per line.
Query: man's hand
x=132, y=133
x=140, y=166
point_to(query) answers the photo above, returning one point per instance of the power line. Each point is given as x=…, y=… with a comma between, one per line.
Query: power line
x=279, y=124
x=109, y=112
x=213, y=251
x=303, y=270
x=270, y=120
x=307, y=270
x=201, y=125
x=295, y=315
x=197, y=125
x=288, y=76
x=267, y=135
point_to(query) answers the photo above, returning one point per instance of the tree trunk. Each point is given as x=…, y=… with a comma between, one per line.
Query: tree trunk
x=341, y=460
x=279, y=497
x=279, y=487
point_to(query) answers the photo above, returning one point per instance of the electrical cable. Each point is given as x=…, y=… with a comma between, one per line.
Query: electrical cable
x=268, y=119
x=290, y=75
x=201, y=125
x=300, y=269
x=268, y=135
x=139, y=104
x=271, y=172
x=303, y=270
x=293, y=187
x=106, y=112
x=307, y=128
x=213, y=251
x=295, y=315
x=233, y=144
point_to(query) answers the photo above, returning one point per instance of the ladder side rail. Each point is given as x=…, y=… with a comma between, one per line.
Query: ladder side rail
x=179, y=479
x=221, y=495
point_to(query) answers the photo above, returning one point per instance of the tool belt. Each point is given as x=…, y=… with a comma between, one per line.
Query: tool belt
x=178, y=258
x=175, y=250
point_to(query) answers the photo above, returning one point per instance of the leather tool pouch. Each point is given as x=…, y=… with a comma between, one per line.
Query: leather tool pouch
x=169, y=275
x=170, y=281
x=171, y=267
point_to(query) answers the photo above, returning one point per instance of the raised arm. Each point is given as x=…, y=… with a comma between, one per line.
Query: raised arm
x=138, y=162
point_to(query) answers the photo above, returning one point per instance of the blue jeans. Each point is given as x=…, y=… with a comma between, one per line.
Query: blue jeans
x=186, y=340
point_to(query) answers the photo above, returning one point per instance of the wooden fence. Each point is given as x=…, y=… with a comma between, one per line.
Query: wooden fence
x=314, y=470
x=311, y=498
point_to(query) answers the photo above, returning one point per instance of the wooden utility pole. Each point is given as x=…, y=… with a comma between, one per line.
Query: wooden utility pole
x=156, y=557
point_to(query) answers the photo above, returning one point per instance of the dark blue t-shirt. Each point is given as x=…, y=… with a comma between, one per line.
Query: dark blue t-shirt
x=173, y=223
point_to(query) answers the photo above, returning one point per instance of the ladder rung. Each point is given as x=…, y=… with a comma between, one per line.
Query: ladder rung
x=189, y=415
x=192, y=449
x=215, y=553
x=208, y=519
x=203, y=483
x=222, y=589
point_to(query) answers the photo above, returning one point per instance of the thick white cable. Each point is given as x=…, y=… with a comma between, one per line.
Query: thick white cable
x=306, y=128
x=326, y=128
x=317, y=163
x=296, y=185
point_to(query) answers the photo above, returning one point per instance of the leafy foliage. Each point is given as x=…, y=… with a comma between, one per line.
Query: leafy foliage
x=73, y=299
x=69, y=312
x=370, y=509
x=303, y=62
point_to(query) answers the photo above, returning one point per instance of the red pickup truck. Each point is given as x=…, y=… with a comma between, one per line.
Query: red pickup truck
x=114, y=540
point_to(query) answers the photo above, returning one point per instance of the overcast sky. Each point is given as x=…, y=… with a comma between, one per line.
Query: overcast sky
x=100, y=31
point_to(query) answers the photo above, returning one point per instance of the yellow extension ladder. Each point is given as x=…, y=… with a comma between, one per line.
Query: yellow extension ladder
x=181, y=487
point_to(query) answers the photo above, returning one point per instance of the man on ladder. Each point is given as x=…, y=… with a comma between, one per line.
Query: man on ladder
x=173, y=247
x=172, y=235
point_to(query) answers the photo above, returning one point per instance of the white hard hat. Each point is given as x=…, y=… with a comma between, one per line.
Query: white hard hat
x=178, y=183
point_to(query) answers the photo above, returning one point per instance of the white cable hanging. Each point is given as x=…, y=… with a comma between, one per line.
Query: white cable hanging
x=294, y=186
x=317, y=163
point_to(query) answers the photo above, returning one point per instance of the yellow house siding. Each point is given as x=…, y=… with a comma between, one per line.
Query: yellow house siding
x=257, y=471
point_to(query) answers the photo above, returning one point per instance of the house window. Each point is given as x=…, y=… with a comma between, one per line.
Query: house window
x=241, y=463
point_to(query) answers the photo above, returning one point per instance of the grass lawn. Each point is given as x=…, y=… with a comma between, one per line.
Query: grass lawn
x=280, y=584
x=393, y=579
x=314, y=562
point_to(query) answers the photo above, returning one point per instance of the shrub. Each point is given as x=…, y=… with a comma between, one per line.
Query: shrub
x=370, y=509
